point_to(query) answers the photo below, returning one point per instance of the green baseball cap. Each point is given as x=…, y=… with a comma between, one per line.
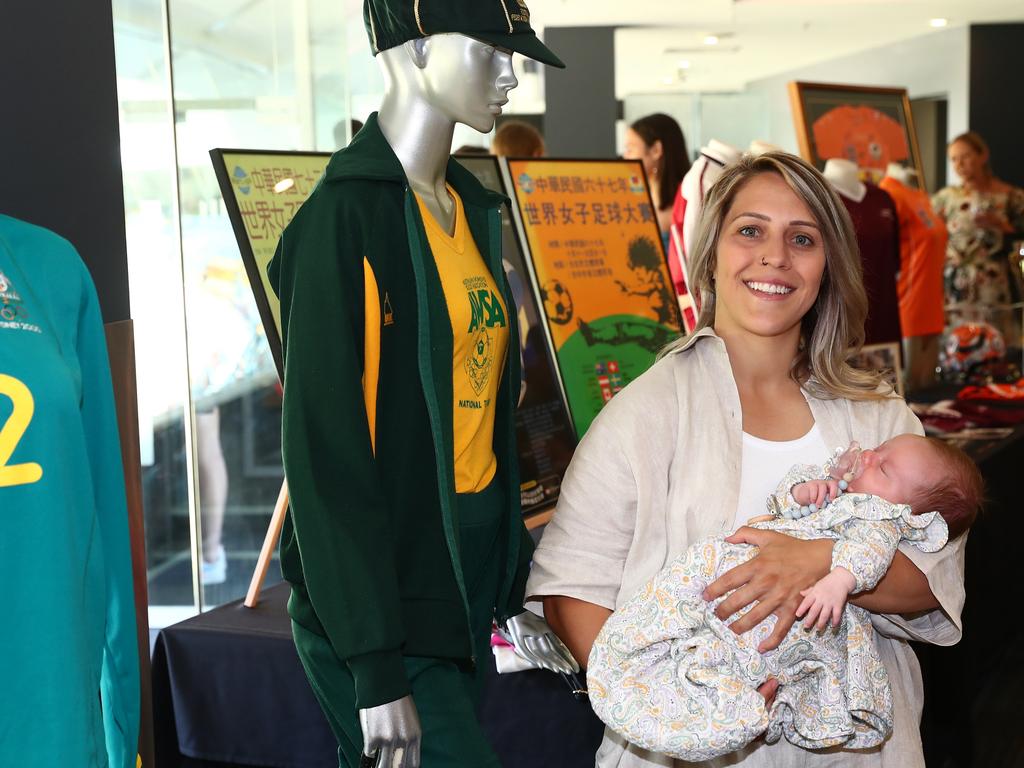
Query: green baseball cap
x=502, y=23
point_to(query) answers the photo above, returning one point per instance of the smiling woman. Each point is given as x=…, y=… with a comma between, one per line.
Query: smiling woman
x=778, y=214
x=680, y=452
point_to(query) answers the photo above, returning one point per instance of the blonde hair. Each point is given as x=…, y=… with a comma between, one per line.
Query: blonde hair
x=833, y=329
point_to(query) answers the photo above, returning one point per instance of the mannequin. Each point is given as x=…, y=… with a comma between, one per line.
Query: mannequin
x=381, y=465
x=759, y=147
x=69, y=658
x=685, y=212
x=842, y=174
x=874, y=219
x=698, y=180
x=903, y=174
x=420, y=107
x=922, y=257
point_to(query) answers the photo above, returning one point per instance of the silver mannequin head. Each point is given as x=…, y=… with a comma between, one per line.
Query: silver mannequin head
x=430, y=84
x=459, y=78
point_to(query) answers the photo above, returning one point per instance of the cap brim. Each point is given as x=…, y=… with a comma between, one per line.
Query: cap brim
x=526, y=43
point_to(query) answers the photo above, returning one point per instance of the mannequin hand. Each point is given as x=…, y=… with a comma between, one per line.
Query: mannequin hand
x=535, y=641
x=391, y=735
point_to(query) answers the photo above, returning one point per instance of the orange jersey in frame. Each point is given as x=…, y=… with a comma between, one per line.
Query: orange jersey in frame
x=922, y=256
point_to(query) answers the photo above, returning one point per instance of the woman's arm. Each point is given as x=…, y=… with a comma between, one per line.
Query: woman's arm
x=784, y=566
x=903, y=589
x=576, y=622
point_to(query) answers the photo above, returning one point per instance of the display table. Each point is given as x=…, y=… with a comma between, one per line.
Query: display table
x=228, y=689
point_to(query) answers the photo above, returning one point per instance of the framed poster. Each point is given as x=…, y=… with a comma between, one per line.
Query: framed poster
x=262, y=191
x=599, y=272
x=544, y=433
x=869, y=126
x=884, y=358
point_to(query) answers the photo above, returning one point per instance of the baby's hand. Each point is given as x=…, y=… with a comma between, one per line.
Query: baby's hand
x=817, y=492
x=826, y=599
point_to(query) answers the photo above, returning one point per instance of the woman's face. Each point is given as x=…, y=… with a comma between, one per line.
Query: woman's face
x=967, y=162
x=770, y=261
x=636, y=149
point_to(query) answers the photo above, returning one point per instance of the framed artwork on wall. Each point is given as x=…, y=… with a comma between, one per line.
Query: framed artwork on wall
x=866, y=125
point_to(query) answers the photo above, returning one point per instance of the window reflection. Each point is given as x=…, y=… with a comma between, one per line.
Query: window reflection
x=268, y=74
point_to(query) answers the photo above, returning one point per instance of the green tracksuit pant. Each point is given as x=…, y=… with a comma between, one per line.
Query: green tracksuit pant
x=445, y=693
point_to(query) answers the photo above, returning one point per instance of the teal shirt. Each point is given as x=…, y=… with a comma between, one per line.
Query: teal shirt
x=68, y=652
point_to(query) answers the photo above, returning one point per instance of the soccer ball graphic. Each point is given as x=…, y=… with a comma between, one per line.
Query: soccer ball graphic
x=557, y=302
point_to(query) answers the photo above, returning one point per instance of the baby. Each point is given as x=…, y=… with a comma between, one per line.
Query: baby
x=671, y=677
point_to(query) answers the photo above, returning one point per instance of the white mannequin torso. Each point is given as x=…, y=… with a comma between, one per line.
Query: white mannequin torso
x=902, y=174
x=842, y=175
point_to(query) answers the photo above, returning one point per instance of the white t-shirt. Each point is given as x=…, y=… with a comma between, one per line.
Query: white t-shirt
x=764, y=464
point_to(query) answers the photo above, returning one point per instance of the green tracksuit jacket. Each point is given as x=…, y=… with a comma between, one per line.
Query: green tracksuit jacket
x=370, y=547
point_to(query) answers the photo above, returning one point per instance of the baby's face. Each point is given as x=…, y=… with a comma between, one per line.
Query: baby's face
x=898, y=469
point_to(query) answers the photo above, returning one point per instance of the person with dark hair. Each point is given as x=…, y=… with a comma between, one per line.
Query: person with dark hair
x=658, y=142
x=514, y=138
x=983, y=215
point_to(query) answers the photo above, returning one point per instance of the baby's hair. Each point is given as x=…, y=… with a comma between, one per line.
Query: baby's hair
x=958, y=497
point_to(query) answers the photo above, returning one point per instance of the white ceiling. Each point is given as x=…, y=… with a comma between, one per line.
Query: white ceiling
x=757, y=38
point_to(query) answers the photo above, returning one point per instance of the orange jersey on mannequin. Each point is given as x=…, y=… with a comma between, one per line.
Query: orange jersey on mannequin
x=922, y=256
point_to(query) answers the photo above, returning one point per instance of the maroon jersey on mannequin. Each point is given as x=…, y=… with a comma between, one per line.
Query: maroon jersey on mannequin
x=877, y=226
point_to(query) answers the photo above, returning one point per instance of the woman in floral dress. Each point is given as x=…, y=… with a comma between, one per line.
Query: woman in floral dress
x=985, y=218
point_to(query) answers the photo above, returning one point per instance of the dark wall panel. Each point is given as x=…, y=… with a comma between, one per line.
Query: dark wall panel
x=581, y=106
x=997, y=96
x=60, y=163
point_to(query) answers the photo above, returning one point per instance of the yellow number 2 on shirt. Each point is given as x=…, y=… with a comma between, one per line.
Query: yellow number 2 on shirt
x=11, y=432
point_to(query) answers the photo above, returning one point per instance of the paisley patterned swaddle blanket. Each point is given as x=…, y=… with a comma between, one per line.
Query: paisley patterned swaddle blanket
x=669, y=676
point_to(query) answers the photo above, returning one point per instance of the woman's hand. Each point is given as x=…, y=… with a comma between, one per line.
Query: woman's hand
x=772, y=581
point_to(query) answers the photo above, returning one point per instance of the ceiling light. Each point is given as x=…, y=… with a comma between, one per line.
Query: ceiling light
x=284, y=185
x=937, y=23
x=711, y=40
x=684, y=64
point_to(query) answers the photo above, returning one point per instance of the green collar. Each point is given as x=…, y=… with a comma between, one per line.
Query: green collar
x=369, y=156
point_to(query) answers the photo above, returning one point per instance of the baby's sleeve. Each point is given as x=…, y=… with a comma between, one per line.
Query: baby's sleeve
x=782, y=501
x=866, y=548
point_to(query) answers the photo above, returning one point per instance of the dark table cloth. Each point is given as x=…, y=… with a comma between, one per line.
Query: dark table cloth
x=229, y=689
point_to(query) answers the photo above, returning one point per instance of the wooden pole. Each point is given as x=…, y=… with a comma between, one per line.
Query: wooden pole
x=269, y=543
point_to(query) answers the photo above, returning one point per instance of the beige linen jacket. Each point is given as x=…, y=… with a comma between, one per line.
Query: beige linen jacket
x=659, y=469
